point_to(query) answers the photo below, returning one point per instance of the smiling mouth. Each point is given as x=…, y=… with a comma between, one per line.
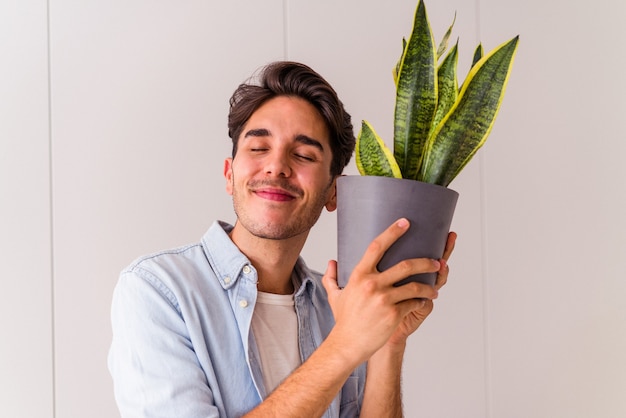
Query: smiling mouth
x=277, y=195
x=278, y=192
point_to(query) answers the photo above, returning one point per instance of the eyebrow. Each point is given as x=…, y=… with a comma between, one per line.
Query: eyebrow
x=303, y=139
x=257, y=132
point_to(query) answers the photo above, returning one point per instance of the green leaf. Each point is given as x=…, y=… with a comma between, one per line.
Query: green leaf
x=416, y=96
x=373, y=158
x=478, y=54
x=443, y=45
x=468, y=124
x=448, y=87
x=396, y=69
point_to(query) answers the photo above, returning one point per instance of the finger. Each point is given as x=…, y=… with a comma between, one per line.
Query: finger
x=412, y=291
x=426, y=309
x=377, y=248
x=407, y=268
x=442, y=275
x=329, y=280
x=444, y=271
x=417, y=307
x=450, y=243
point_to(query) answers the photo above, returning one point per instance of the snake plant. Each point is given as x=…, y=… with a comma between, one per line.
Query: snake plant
x=438, y=126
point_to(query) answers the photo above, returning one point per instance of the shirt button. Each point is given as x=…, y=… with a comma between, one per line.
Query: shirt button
x=247, y=269
x=226, y=280
x=243, y=303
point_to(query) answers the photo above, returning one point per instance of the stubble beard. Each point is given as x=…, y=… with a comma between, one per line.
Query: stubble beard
x=293, y=225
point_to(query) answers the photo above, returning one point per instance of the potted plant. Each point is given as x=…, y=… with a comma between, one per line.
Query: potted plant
x=438, y=128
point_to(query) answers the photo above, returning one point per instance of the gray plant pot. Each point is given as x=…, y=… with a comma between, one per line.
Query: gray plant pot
x=367, y=205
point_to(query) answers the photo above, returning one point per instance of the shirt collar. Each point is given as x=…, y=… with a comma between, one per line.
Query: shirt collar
x=228, y=262
x=223, y=255
x=303, y=279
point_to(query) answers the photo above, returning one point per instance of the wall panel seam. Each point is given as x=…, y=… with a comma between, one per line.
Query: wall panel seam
x=51, y=212
x=484, y=258
x=286, y=29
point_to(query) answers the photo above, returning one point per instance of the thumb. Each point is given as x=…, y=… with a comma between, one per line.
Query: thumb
x=329, y=280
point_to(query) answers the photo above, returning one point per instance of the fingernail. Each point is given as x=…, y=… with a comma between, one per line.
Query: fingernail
x=403, y=223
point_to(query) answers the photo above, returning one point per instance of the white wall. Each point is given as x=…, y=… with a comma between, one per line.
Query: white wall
x=112, y=138
x=26, y=345
x=555, y=202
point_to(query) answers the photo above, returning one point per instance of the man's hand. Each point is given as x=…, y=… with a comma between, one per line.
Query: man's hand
x=370, y=310
x=414, y=319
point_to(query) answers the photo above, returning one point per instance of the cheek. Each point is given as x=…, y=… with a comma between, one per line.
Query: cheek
x=320, y=183
x=238, y=174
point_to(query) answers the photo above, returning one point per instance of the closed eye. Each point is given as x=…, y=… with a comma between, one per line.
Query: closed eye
x=305, y=157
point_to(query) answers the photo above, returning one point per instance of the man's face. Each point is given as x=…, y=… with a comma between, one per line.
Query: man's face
x=280, y=177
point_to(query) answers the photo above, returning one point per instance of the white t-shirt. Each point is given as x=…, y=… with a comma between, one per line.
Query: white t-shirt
x=275, y=328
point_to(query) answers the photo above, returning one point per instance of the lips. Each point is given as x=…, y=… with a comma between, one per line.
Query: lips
x=275, y=194
x=277, y=190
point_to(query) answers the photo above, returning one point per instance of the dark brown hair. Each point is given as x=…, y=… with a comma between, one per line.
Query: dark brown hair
x=286, y=78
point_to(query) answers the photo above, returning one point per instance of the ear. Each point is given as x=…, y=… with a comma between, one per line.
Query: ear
x=228, y=175
x=331, y=202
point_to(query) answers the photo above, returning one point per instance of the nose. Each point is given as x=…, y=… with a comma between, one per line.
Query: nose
x=277, y=164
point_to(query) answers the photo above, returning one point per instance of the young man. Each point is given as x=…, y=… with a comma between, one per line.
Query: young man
x=237, y=325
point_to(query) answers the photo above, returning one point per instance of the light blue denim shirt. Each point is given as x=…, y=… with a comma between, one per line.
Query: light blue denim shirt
x=182, y=342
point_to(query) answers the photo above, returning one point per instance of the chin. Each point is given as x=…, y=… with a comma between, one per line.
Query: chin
x=273, y=231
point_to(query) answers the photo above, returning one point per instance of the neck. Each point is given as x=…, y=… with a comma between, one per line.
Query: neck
x=273, y=260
